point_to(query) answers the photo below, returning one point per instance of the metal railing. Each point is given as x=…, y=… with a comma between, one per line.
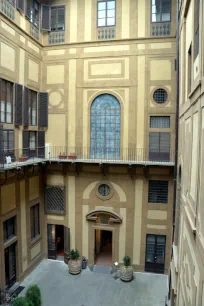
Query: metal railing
x=18, y=157
x=7, y=9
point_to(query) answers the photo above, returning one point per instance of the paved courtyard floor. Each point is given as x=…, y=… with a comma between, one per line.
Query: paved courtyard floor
x=59, y=288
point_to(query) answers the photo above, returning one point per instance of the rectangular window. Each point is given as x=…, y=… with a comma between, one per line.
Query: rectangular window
x=32, y=100
x=8, y=138
x=9, y=229
x=32, y=141
x=159, y=146
x=158, y=192
x=6, y=102
x=162, y=122
x=35, y=221
x=161, y=10
x=106, y=12
x=197, y=27
x=58, y=18
x=33, y=12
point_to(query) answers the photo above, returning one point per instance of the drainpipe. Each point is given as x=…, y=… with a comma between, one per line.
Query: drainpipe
x=177, y=120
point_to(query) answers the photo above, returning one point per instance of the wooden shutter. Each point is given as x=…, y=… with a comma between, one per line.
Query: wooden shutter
x=45, y=17
x=41, y=144
x=29, y=4
x=20, y=5
x=18, y=104
x=43, y=109
x=164, y=146
x=51, y=241
x=1, y=146
x=26, y=107
x=66, y=244
x=25, y=143
x=153, y=145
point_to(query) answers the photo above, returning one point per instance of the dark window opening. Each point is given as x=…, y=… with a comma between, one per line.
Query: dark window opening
x=35, y=221
x=159, y=146
x=9, y=228
x=6, y=101
x=106, y=13
x=32, y=101
x=158, y=192
x=58, y=18
x=33, y=12
x=161, y=11
x=162, y=122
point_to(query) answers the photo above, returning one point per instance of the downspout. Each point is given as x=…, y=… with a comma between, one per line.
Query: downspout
x=177, y=121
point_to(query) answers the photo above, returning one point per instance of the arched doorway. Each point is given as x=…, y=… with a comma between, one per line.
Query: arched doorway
x=104, y=231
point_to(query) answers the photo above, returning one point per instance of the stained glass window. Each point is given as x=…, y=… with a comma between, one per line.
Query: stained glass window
x=105, y=127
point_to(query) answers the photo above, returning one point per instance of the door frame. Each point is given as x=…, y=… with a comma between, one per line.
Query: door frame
x=11, y=282
x=101, y=230
x=154, y=267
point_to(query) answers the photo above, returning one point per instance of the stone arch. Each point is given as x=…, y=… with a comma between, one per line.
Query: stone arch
x=104, y=216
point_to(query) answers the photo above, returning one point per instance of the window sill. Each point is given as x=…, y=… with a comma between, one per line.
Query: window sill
x=35, y=240
x=12, y=240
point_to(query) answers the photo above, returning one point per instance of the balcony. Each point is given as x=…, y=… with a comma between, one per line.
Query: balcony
x=7, y=9
x=22, y=157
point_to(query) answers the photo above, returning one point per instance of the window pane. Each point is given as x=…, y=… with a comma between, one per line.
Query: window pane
x=32, y=140
x=111, y=5
x=53, y=19
x=101, y=6
x=110, y=21
x=101, y=22
x=2, y=111
x=101, y=14
x=111, y=13
x=166, y=17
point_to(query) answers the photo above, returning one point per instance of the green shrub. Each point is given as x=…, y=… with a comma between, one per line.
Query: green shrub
x=74, y=254
x=33, y=294
x=21, y=301
x=127, y=261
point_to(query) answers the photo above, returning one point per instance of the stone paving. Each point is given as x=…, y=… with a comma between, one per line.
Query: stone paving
x=59, y=288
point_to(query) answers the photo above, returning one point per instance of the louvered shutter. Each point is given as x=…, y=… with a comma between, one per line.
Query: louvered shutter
x=41, y=144
x=45, y=17
x=20, y=5
x=164, y=146
x=18, y=104
x=29, y=4
x=25, y=107
x=25, y=143
x=1, y=146
x=43, y=109
x=66, y=244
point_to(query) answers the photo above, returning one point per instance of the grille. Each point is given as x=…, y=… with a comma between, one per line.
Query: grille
x=55, y=199
x=160, y=122
x=160, y=96
x=158, y=192
x=106, y=33
x=160, y=29
x=56, y=37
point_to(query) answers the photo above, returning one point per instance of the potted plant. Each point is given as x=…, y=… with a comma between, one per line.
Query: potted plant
x=72, y=156
x=23, y=158
x=74, y=263
x=62, y=156
x=126, y=270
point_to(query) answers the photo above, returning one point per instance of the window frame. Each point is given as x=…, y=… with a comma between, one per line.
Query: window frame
x=31, y=94
x=8, y=151
x=5, y=226
x=30, y=148
x=31, y=18
x=105, y=26
x=166, y=196
x=161, y=13
x=6, y=102
x=34, y=226
x=57, y=7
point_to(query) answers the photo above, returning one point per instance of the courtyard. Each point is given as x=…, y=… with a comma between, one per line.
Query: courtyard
x=59, y=288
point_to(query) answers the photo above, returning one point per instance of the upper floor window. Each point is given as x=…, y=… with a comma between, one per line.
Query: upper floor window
x=106, y=13
x=58, y=18
x=160, y=122
x=6, y=94
x=9, y=228
x=8, y=138
x=161, y=10
x=32, y=100
x=35, y=221
x=33, y=11
x=105, y=127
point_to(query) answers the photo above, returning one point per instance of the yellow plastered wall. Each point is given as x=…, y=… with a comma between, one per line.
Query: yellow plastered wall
x=35, y=250
x=8, y=198
x=164, y=68
x=34, y=188
x=56, y=122
x=8, y=57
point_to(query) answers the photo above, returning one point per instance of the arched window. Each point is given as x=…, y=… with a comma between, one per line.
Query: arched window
x=105, y=127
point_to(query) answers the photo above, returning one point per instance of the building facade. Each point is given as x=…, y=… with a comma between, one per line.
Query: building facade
x=88, y=110
x=187, y=266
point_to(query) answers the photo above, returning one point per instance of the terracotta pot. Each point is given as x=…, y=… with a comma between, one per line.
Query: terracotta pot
x=62, y=156
x=126, y=273
x=72, y=156
x=74, y=266
x=23, y=158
